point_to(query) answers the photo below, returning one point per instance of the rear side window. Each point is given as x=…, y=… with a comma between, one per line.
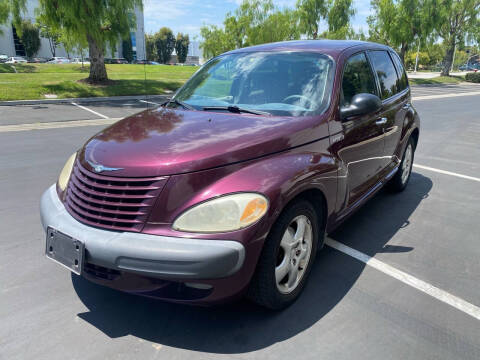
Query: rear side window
x=402, y=76
x=357, y=78
x=386, y=73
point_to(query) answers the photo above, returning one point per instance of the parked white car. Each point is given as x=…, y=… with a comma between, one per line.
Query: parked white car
x=79, y=61
x=3, y=58
x=16, y=60
x=59, y=60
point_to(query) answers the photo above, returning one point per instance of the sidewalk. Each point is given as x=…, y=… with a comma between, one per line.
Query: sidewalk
x=430, y=75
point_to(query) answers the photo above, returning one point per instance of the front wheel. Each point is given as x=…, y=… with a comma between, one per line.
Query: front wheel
x=286, y=258
x=400, y=180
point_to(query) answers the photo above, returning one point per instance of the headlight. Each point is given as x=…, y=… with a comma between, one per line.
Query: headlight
x=66, y=171
x=226, y=213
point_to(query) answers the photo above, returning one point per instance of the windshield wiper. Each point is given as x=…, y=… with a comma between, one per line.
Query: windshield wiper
x=236, y=109
x=181, y=103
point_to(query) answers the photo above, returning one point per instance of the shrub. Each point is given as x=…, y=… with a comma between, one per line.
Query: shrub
x=30, y=37
x=5, y=68
x=473, y=77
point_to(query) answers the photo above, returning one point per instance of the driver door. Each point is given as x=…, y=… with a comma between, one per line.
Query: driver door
x=362, y=147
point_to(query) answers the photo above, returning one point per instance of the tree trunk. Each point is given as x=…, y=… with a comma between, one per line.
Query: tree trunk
x=403, y=51
x=52, y=46
x=98, y=72
x=448, y=59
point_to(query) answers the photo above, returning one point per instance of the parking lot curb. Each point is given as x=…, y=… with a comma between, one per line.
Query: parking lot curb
x=83, y=100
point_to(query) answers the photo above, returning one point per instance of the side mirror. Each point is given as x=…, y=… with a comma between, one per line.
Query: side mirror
x=361, y=104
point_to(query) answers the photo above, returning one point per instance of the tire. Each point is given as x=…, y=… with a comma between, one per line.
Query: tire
x=274, y=259
x=400, y=181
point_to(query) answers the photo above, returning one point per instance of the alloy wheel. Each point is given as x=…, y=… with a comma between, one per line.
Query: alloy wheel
x=294, y=254
x=407, y=163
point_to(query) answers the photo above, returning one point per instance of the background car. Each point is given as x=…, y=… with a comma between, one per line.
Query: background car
x=470, y=67
x=3, y=58
x=16, y=60
x=59, y=60
x=116, y=61
x=37, y=60
x=80, y=61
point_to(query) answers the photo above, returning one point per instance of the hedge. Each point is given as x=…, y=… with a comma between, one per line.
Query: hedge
x=473, y=77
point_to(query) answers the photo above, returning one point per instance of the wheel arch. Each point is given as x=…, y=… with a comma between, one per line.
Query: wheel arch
x=415, y=134
x=318, y=200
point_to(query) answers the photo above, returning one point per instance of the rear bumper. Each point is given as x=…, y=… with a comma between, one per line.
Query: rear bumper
x=170, y=258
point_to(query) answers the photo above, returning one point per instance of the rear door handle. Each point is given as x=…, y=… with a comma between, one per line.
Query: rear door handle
x=381, y=121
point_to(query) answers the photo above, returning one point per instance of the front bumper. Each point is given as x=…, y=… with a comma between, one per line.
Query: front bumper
x=170, y=258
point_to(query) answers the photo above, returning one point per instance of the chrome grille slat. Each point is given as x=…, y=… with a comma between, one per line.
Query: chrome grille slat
x=115, y=203
x=101, y=209
x=111, y=203
x=86, y=188
x=78, y=210
x=91, y=182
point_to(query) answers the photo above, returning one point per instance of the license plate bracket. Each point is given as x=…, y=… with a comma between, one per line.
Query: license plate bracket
x=65, y=250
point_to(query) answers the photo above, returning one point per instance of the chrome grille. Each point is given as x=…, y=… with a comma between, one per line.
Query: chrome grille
x=115, y=203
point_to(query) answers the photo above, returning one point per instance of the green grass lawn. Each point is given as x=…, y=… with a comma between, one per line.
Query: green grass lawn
x=34, y=81
x=438, y=80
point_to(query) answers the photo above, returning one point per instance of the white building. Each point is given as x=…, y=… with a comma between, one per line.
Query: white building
x=10, y=45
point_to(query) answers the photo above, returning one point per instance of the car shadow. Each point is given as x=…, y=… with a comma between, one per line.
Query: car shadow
x=243, y=327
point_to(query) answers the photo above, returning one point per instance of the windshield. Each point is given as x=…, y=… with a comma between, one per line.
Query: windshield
x=288, y=84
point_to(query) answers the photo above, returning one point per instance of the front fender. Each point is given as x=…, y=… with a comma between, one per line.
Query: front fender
x=280, y=177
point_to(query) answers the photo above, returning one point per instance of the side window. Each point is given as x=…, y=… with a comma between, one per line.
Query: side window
x=402, y=80
x=357, y=78
x=386, y=73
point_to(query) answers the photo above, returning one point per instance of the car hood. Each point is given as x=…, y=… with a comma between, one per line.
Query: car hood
x=166, y=141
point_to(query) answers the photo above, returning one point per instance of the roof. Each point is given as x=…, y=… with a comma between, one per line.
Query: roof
x=324, y=46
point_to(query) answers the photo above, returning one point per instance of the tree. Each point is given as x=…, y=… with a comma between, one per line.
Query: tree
x=50, y=33
x=181, y=47
x=253, y=22
x=127, y=49
x=98, y=23
x=15, y=8
x=165, y=43
x=311, y=13
x=401, y=23
x=30, y=37
x=150, y=50
x=339, y=15
x=278, y=25
x=458, y=18
x=72, y=44
x=214, y=41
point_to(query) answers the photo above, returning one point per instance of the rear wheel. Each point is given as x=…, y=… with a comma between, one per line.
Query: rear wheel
x=287, y=257
x=400, y=181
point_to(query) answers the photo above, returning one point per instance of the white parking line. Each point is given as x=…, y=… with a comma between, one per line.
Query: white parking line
x=447, y=172
x=149, y=102
x=408, y=279
x=439, y=96
x=92, y=111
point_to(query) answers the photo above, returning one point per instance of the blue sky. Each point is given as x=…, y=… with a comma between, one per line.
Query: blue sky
x=188, y=16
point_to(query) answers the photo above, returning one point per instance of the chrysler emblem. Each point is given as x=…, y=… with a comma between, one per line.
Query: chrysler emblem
x=98, y=168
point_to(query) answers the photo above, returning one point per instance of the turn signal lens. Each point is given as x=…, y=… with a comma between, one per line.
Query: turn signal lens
x=254, y=210
x=66, y=172
x=225, y=213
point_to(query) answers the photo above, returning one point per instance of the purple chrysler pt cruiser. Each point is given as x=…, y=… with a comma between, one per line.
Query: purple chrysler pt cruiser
x=230, y=187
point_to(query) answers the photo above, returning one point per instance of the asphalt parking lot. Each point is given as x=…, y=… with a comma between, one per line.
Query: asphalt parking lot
x=418, y=298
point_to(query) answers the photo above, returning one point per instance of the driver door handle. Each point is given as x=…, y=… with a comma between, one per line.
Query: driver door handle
x=381, y=121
